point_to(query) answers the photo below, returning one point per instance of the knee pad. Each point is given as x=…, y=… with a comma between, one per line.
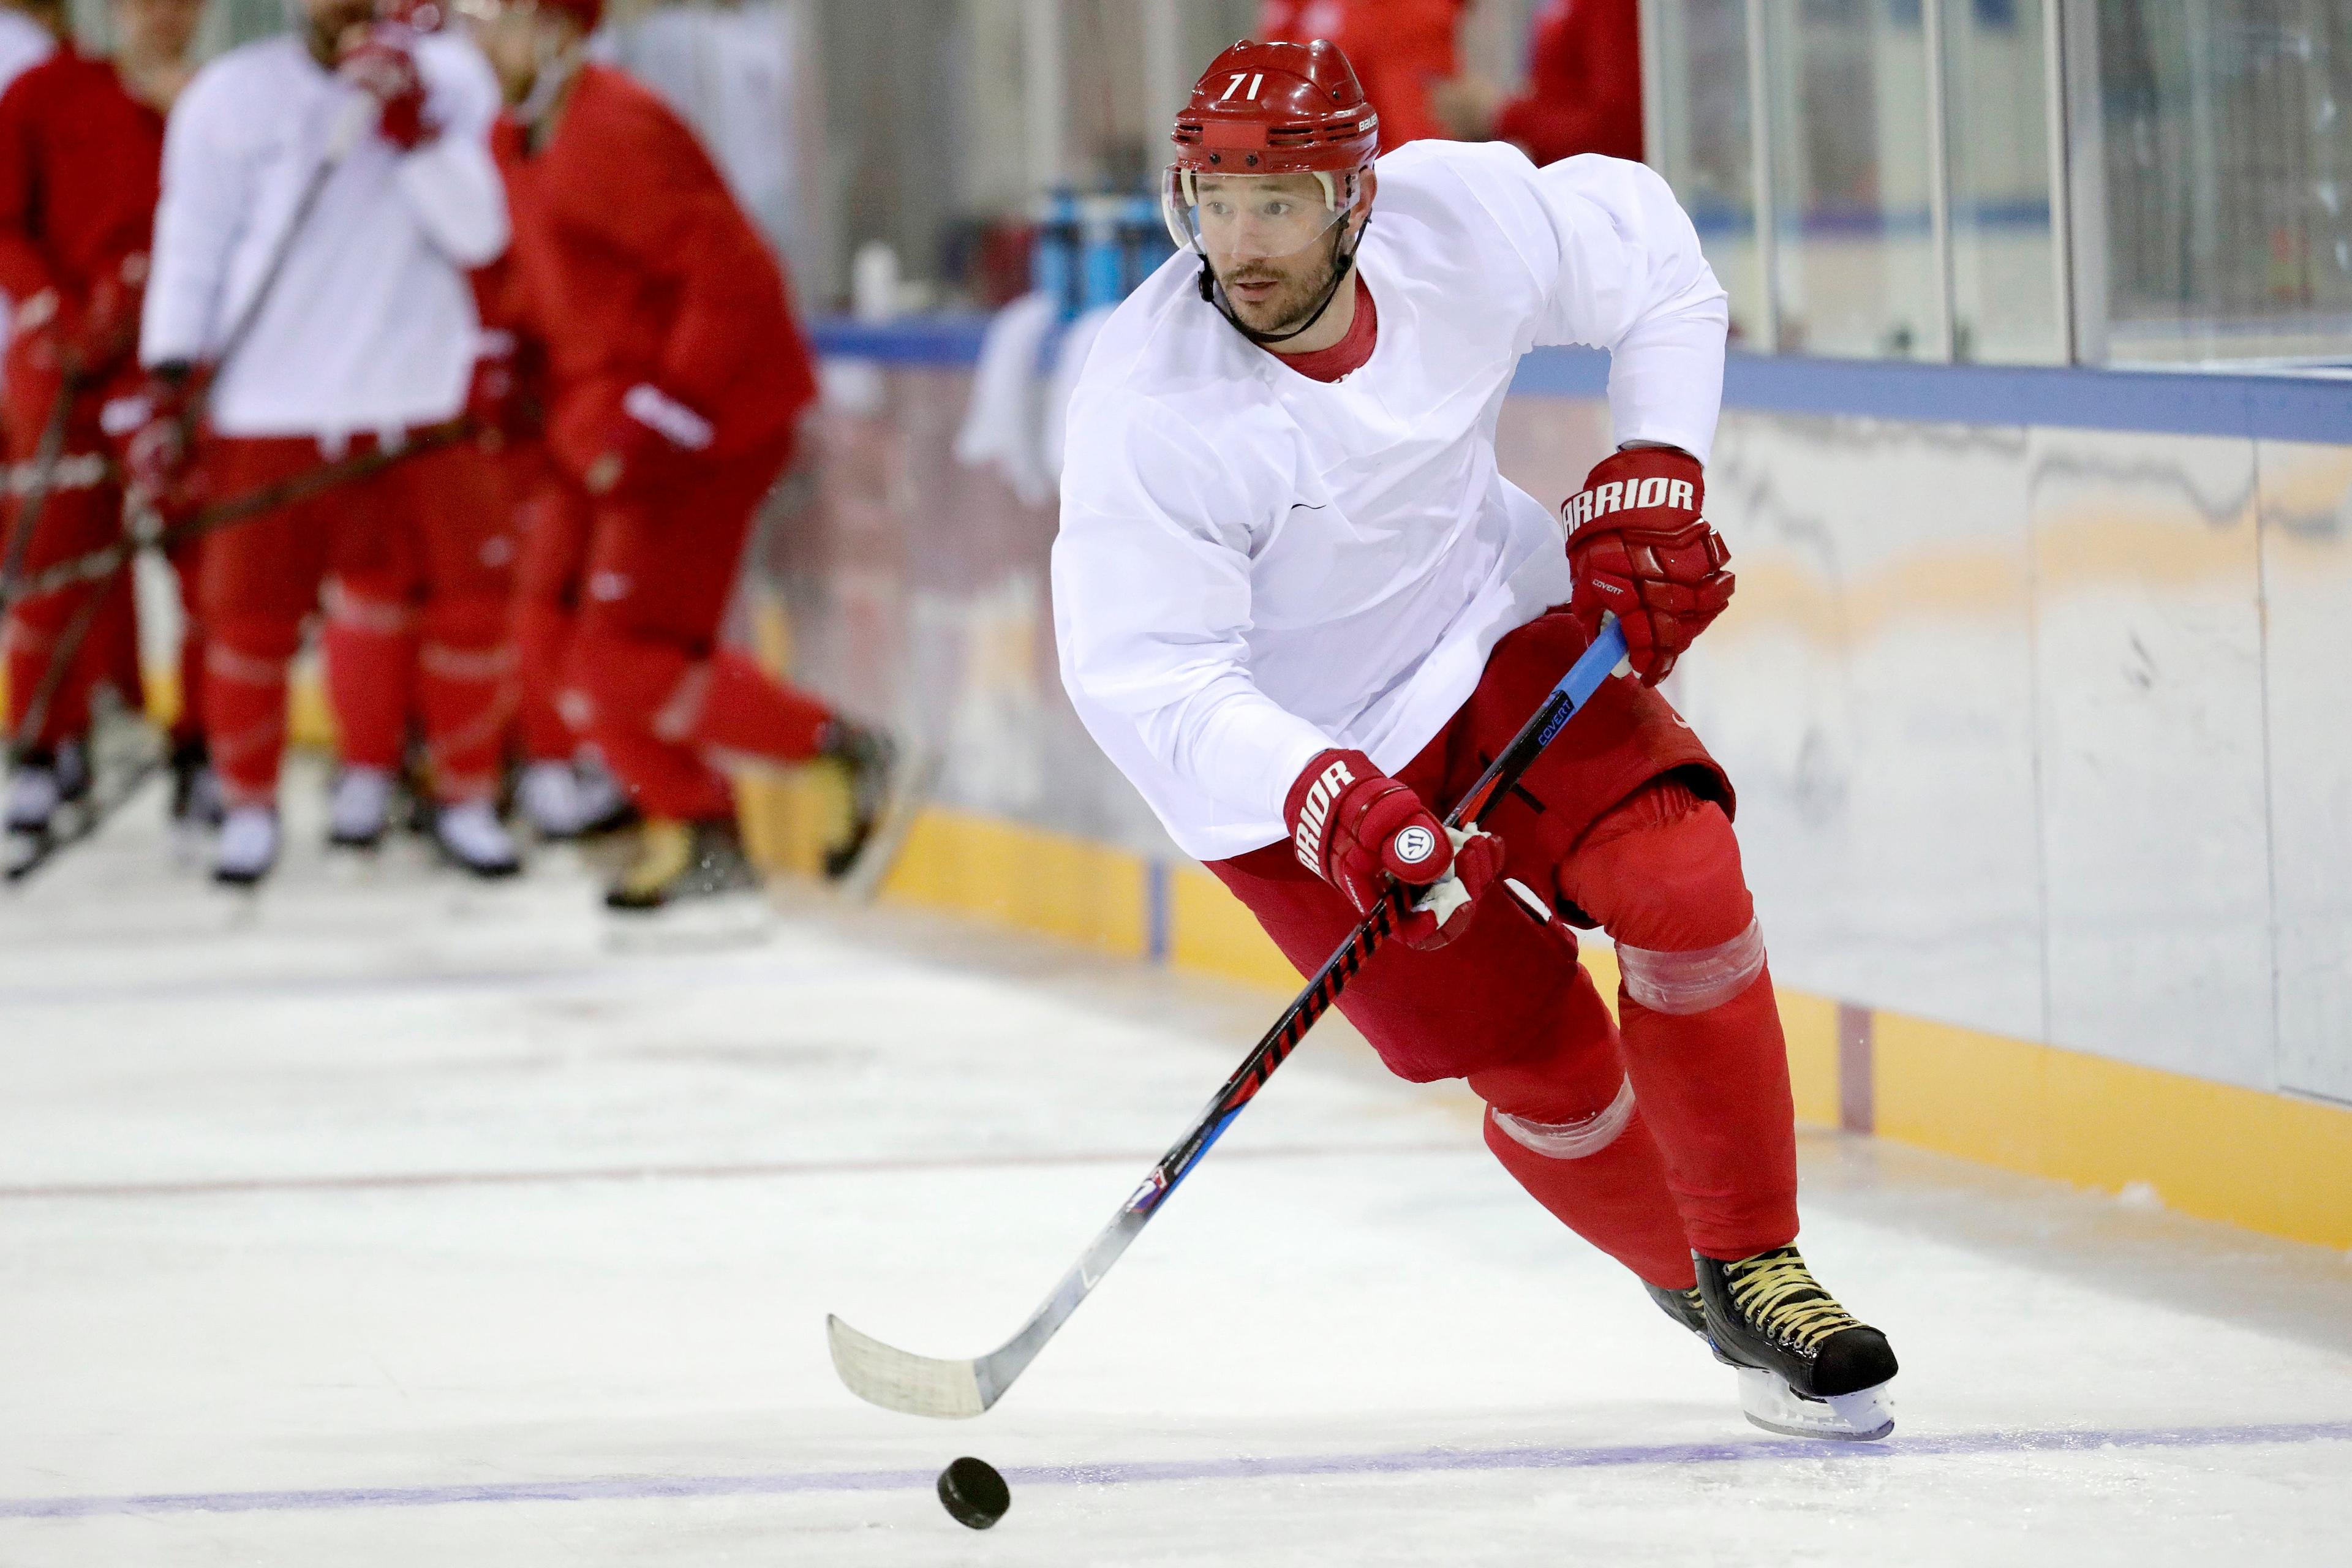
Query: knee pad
x=1695, y=981
x=1573, y=1139
x=354, y=605
x=616, y=676
x=1661, y=872
x=465, y=642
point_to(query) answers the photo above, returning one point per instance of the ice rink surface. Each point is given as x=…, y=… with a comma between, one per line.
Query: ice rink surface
x=389, y=1220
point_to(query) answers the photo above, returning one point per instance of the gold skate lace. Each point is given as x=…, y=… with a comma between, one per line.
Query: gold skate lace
x=1779, y=1293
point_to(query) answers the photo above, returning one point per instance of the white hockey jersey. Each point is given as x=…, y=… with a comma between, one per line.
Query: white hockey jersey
x=1254, y=566
x=370, y=324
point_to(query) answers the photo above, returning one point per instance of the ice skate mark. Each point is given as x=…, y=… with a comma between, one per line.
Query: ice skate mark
x=1239, y=1468
x=396, y=1181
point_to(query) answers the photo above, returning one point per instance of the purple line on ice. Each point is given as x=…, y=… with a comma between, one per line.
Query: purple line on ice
x=637, y=1489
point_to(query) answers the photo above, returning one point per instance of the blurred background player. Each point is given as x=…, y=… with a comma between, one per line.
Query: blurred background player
x=564, y=791
x=81, y=142
x=1583, y=91
x=367, y=336
x=677, y=378
x=1404, y=52
x=1299, y=606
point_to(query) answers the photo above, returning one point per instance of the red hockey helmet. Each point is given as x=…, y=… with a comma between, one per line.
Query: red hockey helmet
x=1268, y=110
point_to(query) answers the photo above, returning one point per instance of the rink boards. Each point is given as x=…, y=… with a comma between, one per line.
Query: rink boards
x=2031, y=692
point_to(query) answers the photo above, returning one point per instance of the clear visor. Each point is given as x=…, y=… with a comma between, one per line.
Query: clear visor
x=1254, y=218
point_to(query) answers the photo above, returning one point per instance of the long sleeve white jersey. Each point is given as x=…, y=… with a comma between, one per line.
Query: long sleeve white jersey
x=1254, y=565
x=370, y=324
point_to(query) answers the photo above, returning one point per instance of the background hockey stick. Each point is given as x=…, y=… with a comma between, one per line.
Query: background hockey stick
x=37, y=485
x=926, y=1385
x=101, y=563
x=98, y=567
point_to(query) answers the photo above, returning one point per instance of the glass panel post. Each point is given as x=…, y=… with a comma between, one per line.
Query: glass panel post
x=1941, y=345
x=1759, y=138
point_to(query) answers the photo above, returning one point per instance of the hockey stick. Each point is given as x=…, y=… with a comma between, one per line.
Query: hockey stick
x=926, y=1385
x=99, y=566
x=103, y=562
x=37, y=490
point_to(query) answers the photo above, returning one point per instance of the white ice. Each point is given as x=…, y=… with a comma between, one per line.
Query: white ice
x=389, y=1220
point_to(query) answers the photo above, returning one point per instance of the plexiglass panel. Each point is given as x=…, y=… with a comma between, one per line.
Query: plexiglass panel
x=1847, y=82
x=1702, y=142
x=2005, y=289
x=2227, y=127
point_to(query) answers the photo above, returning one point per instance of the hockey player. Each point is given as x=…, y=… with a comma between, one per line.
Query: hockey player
x=1300, y=607
x=564, y=790
x=677, y=381
x=81, y=141
x=362, y=334
x=1404, y=52
x=1583, y=91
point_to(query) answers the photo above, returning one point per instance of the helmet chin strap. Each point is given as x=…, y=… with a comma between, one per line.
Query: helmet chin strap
x=1343, y=263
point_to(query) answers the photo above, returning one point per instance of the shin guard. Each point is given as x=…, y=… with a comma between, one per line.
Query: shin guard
x=629, y=692
x=1565, y=1125
x=370, y=657
x=464, y=681
x=245, y=704
x=1700, y=1027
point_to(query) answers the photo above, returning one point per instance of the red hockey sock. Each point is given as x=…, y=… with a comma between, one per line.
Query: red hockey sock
x=1700, y=1028
x=730, y=704
x=464, y=669
x=371, y=655
x=627, y=685
x=190, y=723
x=244, y=703
x=542, y=639
x=1565, y=1126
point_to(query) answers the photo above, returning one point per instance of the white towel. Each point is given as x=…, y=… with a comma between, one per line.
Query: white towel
x=1001, y=424
x=1070, y=360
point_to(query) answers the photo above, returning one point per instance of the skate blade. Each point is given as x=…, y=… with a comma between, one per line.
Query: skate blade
x=1864, y=1417
x=743, y=919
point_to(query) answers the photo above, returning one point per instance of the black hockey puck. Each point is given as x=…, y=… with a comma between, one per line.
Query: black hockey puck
x=974, y=1493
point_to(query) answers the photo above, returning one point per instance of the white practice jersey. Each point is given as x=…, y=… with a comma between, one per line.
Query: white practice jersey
x=1254, y=566
x=371, y=323
x=23, y=44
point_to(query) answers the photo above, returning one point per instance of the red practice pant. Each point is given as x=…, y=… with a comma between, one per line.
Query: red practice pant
x=1623, y=822
x=553, y=518
x=416, y=560
x=645, y=677
x=75, y=521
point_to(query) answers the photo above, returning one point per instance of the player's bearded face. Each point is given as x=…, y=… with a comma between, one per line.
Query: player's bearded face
x=1273, y=240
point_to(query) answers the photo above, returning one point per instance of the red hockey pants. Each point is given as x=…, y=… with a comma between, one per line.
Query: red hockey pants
x=1668, y=1132
x=416, y=560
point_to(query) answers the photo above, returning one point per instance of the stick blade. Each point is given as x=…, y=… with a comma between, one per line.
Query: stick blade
x=894, y=1380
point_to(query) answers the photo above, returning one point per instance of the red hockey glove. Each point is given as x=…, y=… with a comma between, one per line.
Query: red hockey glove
x=1642, y=550
x=494, y=396
x=383, y=65
x=643, y=438
x=159, y=436
x=1355, y=827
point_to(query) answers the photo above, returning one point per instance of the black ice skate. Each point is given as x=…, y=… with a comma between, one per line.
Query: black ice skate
x=195, y=788
x=876, y=775
x=1807, y=1368
x=677, y=861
